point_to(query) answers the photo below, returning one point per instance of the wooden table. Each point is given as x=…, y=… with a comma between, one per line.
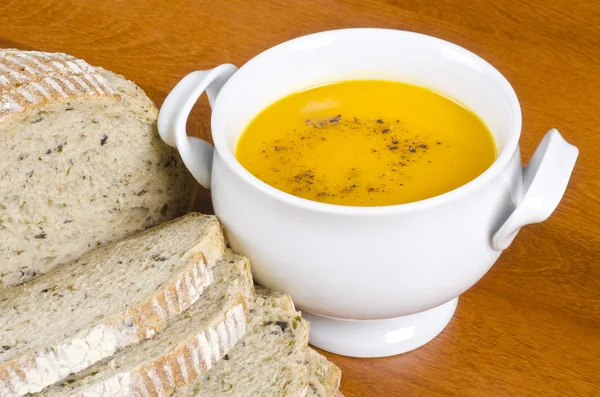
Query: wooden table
x=531, y=327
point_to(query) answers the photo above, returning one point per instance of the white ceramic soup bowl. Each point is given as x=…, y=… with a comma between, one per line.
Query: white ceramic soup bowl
x=373, y=281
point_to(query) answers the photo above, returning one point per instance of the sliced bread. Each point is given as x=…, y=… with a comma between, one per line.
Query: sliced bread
x=82, y=162
x=190, y=344
x=110, y=298
x=323, y=375
x=268, y=361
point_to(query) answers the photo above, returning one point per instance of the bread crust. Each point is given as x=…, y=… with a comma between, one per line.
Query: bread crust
x=31, y=79
x=180, y=367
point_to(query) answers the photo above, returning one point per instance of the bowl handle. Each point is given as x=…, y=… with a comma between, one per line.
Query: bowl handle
x=545, y=180
x=196, y=153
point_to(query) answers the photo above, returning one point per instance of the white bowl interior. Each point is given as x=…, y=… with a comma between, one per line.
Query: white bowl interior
x=366, y=54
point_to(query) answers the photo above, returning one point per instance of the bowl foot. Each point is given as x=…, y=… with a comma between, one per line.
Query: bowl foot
x=378, y=338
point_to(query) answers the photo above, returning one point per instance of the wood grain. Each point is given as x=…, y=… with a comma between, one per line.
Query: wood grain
x=531, y=327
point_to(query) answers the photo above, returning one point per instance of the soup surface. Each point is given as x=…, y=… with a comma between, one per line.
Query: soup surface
x=366, y=143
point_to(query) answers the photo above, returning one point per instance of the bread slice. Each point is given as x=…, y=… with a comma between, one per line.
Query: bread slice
x=82, y=162
x=323, y=375
x=268, y=361
x=190, y=345
x=110, y=298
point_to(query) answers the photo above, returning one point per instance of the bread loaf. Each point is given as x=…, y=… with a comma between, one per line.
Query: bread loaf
x=108, y=299
x=323, y=375
x=189, y=345
x=82, y=164
x=268, y=361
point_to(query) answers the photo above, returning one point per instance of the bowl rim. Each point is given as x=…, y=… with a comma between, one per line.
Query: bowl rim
x=497, y=166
